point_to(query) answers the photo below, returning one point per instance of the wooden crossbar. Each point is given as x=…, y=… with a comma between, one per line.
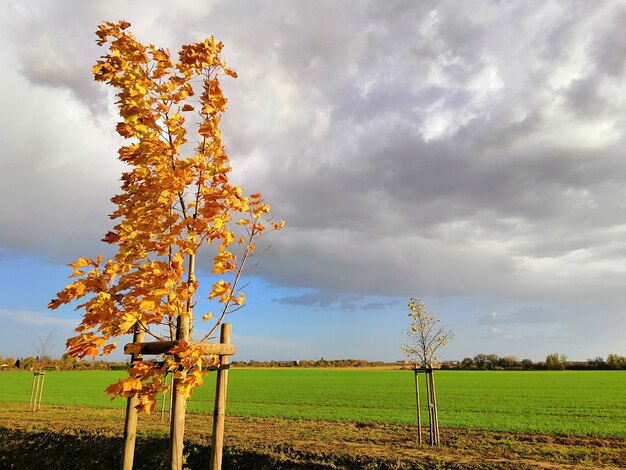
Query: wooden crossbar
x=162, y=347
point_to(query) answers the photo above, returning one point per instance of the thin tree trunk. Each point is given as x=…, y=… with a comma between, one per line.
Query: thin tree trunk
x=179, y=400
x=219, y=413
x=179, y=406
x=130, y=423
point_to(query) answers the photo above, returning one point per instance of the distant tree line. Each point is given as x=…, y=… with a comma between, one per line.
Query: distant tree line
x=62, y=363
x=67, y=363
x=312, y=363
x=552, y=362
x=479, y=362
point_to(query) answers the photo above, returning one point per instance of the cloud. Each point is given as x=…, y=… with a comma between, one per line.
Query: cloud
x=504, y=334
x=37, y=319
x=258, y=341
x=528, y=314
x=24, y=330
x=326, y=300
x=261, y=348
x=410, y=148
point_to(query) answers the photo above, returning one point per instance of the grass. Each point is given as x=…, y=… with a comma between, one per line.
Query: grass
x=566, y=403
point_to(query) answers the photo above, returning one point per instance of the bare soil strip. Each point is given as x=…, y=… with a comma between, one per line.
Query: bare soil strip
x=67, y=437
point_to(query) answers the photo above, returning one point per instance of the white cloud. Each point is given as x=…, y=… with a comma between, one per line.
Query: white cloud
x=505, y=334
x=36, y=318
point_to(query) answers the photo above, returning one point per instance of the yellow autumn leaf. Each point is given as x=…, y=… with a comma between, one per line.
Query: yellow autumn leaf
x=241, y=299
x=131, y=385
x=80, y=263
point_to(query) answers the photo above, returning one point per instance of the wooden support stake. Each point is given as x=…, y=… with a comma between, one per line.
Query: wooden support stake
x=163, y=347
x=219, y=413
x=130, y=422
x=169, y=404
x=42, y=377
x=163, y=401
x=431, y=437
x=435, y=412
x=37, y=385
x=167, y=397
x=419, y=411
x=31, y=406
x=37, y=391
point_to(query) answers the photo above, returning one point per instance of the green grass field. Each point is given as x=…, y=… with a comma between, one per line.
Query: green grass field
x=585, y=403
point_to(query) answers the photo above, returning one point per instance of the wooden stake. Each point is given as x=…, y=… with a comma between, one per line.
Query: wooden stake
x=163, y=401
x=431, y=436
x=169, y=404
x=219, y=413
x=31, y=406
x=37, y=385
x=36, y=392
x=42, y=377
x=163, y=347
x=130, y=422
x=435, y=411
x=419, y=412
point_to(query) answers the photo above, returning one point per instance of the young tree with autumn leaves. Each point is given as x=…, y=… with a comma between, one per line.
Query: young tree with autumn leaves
x=425, y=337
x=175, y=198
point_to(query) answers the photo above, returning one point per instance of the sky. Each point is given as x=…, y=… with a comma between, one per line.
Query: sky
x=472, y=157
